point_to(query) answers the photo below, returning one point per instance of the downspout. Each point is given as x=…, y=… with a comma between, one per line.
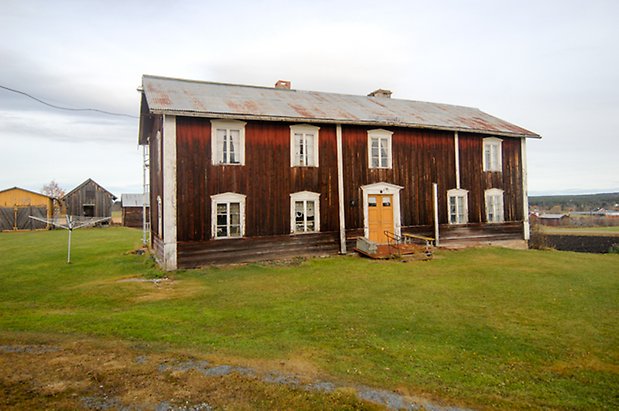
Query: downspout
x=457, y=159
x=525, y=196
x=340, y=188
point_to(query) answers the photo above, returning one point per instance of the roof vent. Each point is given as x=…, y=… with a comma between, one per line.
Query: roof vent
x=380, y=93
x=282, y=84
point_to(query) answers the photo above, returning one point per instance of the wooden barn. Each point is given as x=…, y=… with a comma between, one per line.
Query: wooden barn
x=244, y=173
x=18, y=204
x=88, y=199
x=133, y=209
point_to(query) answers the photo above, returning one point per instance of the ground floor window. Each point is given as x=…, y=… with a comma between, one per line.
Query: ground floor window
x=304, y=212
x=228, y=215
x=494, y=205
x=228, y=220
x=457, y=201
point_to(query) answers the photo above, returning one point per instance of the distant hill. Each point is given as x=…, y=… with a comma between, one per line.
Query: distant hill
x=580, y=202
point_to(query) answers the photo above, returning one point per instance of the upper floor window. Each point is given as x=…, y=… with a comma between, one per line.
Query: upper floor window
x=228, y=215
x=304, y=212
x=457, y=202
x=379, y=148
x=304, y=145
x=492, y=154
x=228, y=141
x=494, y=205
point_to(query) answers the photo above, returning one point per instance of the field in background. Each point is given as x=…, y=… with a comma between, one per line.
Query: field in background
x=594, y=231
x=117, y=217
x=481, y=328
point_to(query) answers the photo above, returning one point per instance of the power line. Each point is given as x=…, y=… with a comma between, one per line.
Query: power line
x=67, y=108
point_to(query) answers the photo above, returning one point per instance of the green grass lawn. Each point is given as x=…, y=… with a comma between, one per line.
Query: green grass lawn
x=481, y=328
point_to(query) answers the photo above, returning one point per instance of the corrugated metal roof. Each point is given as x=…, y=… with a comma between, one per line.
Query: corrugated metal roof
x=28, y=191
x=206, y=99
x=552, y=216
x=133, y=200
x=90, y=180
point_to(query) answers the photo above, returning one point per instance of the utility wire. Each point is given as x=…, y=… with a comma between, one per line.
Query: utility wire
x=67, y=108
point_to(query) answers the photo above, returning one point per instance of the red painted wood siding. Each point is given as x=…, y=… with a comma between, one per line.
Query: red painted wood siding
x=475, y=180
x=266, y=179
x=420, y=158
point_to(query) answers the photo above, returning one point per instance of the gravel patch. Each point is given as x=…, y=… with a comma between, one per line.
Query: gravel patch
x=166, y=406
x=142, y=280
x=141, y=359
x=388, y=399
x=28, y=349
x=102, y=403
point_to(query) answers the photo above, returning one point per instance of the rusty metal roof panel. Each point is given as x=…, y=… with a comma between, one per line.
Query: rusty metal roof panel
x=134, y=200
x=207, y=99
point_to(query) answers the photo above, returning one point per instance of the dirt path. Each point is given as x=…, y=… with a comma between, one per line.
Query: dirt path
x=106, y=375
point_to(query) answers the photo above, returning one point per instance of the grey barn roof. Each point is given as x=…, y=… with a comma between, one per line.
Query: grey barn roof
x=206, y=99
x=133, y=200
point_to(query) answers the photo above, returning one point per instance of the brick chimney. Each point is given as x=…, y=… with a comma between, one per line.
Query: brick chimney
x=282, y=84
x=380, y=93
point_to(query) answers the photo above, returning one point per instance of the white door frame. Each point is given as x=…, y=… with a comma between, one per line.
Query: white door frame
x=382, y=188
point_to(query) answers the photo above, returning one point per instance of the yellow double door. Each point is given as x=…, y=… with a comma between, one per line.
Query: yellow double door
x=380, y=216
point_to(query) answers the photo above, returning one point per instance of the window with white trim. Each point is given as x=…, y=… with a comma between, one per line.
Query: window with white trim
x=494, y=205
x=228, y=142
x=379, y=148
x=304, y=212
x=457, y=206
x=228, y=215
x=492, y=157
x=304, y=145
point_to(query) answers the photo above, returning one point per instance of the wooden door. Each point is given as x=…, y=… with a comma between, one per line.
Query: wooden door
x=7, y=218
x=380, y=216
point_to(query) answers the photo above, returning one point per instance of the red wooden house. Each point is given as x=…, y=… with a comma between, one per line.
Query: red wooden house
x=243, y=173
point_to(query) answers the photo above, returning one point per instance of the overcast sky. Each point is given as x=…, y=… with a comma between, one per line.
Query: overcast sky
x=549, y=66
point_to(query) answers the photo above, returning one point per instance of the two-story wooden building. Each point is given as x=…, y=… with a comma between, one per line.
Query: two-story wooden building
x=243, y=173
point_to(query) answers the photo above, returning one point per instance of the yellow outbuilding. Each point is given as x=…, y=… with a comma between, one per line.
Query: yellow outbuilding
x=18, y=204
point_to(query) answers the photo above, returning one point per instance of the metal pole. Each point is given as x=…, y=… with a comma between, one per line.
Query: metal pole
x=69, y=247
x=70, y=228
x=435, y=198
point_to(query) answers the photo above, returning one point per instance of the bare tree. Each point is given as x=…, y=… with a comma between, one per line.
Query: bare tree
x=54, y=190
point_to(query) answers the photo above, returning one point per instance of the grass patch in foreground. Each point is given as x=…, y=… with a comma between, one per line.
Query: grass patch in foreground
x=481, y=327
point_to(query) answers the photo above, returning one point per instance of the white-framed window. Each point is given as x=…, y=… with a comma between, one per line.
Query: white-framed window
x=379, y=148
x=228, y=142
x=494, y=205
x=304, y=145
x=304, y=212
x=228, y=215
x=457, y=206
x=492, y=156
